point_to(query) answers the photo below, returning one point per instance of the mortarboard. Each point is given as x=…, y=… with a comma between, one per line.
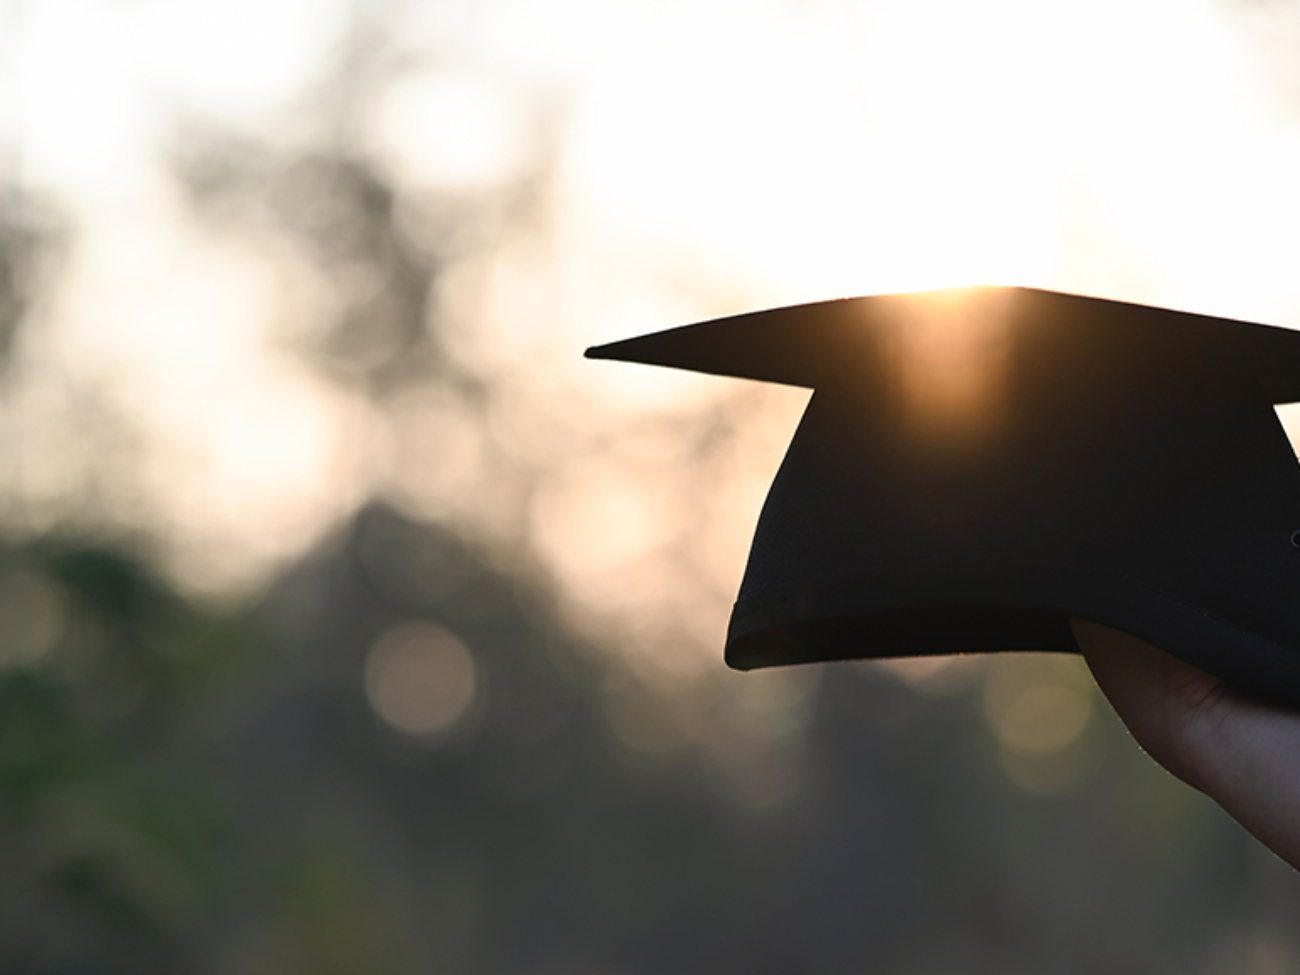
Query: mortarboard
x=976, y=466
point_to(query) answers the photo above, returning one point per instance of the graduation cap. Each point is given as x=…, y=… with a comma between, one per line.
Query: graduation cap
x=976, y=466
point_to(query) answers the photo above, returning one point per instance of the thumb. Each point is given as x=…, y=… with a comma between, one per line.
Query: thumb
x=1171, y=708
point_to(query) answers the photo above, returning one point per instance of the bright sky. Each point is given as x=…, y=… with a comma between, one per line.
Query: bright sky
x=712, y=156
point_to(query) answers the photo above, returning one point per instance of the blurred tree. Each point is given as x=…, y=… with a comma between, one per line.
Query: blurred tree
x=182, y=791
x=109, y=834
x=337, y=209
x=530, y=836
x=32, y=235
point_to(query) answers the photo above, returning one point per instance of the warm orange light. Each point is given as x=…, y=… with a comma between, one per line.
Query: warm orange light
x=950, y=350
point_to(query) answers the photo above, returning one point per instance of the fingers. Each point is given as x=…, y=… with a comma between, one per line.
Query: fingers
x=1243, y=754
x=1172, y=708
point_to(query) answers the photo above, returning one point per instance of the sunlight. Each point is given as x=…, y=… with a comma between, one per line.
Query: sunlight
x=862, y=168
x=673, y=161
x=938, y=144
x=949, y=348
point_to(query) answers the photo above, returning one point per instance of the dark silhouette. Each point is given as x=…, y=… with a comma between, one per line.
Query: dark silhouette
x=977, y=466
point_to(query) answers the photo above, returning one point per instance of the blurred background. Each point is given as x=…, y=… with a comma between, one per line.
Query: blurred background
x=351, y=622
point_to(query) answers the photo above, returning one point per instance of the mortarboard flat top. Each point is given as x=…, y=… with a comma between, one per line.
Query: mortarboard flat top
x=978, y=465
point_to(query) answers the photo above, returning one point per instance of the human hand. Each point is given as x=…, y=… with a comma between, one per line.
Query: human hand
x=1243, y=754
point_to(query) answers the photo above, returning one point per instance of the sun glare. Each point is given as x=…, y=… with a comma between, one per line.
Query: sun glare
x=942, y=144
x=949, y=348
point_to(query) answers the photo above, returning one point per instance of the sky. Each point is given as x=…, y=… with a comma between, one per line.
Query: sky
x=701, y=158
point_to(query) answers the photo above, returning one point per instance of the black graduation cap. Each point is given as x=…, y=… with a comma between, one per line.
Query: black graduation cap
x=978, y=465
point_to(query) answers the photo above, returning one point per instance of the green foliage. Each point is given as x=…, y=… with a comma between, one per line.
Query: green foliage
x=111, y=839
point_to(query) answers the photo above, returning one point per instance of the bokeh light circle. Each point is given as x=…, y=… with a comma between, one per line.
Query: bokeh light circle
x=421, y=679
